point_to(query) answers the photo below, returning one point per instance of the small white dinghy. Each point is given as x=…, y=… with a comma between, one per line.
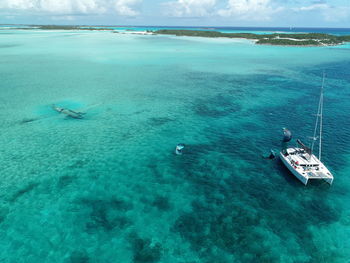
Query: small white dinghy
x=179, y=148
x=301, y=161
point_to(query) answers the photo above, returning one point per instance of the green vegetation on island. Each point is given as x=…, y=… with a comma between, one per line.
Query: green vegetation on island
x=289, y=42
x=283, y=39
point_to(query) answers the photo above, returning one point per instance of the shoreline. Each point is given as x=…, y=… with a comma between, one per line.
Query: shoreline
x=285, y=39
x=271, y=39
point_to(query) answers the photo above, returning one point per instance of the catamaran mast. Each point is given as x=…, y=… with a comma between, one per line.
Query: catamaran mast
x=319, y=118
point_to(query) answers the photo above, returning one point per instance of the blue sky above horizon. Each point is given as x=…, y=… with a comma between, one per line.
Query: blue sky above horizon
x=273, y=13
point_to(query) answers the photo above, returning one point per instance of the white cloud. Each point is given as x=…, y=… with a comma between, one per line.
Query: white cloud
x=63, y=18
x=127, y=7
x=312, y=7
x=190, y=8
x=250, y=9
x=71, y=7
x=328, y=12
x=337, y=14
x=17, y=4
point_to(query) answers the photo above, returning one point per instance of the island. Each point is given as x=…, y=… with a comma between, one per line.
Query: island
x=280, y=39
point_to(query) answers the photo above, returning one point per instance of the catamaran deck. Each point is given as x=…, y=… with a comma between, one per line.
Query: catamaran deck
x=306, y=167
x=318, y=175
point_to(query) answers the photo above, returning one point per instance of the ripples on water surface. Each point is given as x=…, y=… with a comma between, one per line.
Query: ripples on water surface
x=109, y=188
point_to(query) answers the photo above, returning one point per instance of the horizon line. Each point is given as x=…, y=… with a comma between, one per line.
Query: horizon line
x=205, y=26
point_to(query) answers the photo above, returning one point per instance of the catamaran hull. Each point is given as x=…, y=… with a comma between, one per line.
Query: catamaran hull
x=293, y=170
x=306, y=176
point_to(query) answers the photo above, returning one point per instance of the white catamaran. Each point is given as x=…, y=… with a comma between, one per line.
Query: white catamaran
x=301, y=161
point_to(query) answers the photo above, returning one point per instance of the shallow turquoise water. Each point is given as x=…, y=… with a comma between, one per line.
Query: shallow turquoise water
x=109, y=188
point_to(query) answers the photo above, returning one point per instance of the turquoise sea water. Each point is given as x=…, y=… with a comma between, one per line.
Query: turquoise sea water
x=109, y=188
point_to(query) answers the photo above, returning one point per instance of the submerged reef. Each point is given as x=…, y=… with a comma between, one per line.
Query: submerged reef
x=26, y=189
x=145, y=250
x=106, y=214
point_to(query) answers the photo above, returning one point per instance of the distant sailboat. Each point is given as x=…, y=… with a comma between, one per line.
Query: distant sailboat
x=301, y=161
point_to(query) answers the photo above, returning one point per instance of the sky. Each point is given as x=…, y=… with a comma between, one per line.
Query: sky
x=239, y=13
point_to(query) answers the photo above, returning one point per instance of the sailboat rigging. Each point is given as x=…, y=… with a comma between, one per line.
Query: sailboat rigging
x=301, y=161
